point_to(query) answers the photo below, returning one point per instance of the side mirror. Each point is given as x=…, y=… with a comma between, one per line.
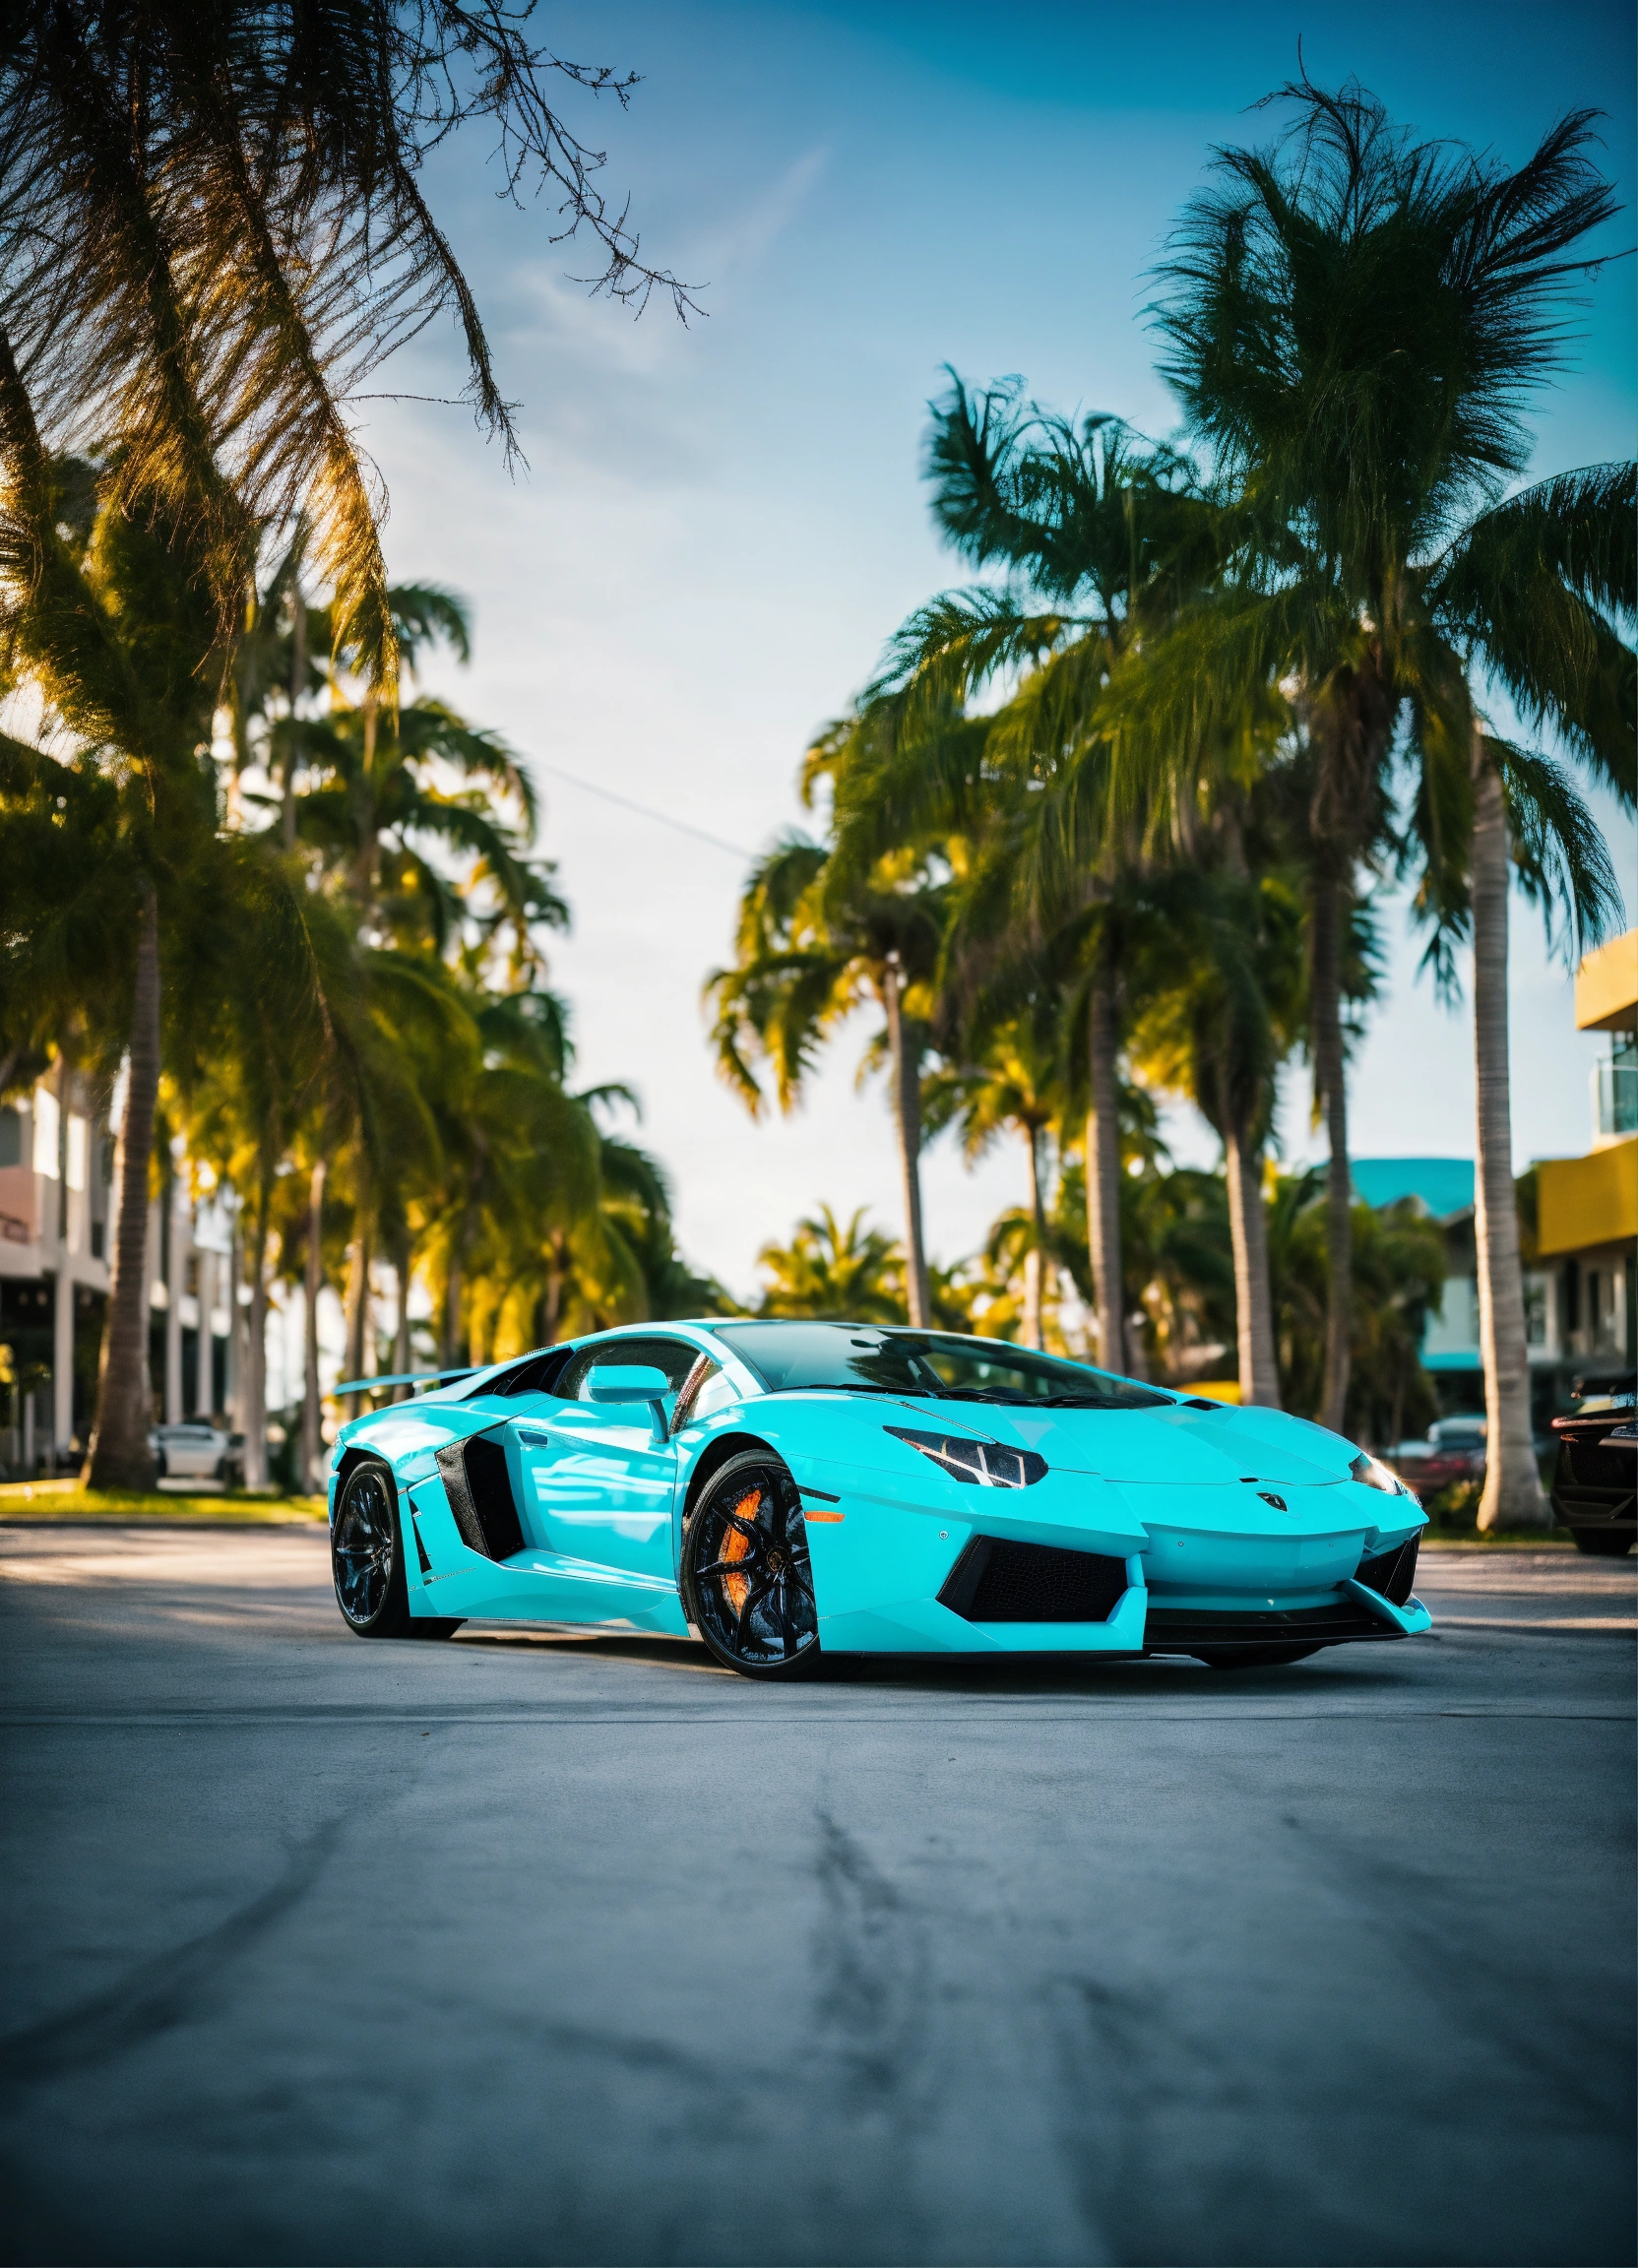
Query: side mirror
x=634, y=1382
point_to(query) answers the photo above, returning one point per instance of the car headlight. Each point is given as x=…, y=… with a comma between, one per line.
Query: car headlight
x=980, y=1463
x=1376, y=1475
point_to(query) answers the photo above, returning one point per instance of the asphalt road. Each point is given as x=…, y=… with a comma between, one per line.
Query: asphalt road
x=525, y=1948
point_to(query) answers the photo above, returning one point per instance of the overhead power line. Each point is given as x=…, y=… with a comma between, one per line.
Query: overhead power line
x=644, y=810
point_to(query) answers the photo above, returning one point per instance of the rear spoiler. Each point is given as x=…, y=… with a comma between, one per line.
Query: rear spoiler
x=403, y=1378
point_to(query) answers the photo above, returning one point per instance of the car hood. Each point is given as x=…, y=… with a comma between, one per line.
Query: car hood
x=1170, y=1445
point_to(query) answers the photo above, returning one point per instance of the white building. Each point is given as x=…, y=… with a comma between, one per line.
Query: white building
x=57, y=1207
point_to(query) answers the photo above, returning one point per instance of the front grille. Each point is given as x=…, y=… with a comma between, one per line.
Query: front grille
x=1000, y=1582
x=479, y=1491
x=1391, y=1573
x=1193, y=1629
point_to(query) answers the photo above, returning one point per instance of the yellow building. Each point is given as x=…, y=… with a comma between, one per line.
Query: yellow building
x=1587, y=1207
x=1578, y=1222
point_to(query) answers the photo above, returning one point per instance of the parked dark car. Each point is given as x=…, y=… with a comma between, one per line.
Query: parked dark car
x=1454, y=1450
x=1595, y=1480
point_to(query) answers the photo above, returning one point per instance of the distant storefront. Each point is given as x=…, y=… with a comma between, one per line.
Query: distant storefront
x=1578, y=1222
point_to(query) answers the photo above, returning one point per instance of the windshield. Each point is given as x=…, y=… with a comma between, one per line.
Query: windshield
x=866, y=1360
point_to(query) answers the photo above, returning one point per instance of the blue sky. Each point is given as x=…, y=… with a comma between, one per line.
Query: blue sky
x=721, y=525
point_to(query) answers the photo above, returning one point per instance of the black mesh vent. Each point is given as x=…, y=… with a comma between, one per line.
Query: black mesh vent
x=1589, y=1464
x=998, y=1582
x=1391, y=1574
x=452, y=1464
x=491, y=1488
x=479, y=1492
x=1188, y=1630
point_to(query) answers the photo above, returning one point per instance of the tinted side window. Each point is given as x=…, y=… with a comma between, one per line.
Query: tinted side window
x=536, y=1375
x=672, y=1356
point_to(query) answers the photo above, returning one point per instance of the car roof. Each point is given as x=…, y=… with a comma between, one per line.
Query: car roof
x=483, y=1380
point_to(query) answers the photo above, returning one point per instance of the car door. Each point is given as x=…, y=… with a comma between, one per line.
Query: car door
x=598, y=1483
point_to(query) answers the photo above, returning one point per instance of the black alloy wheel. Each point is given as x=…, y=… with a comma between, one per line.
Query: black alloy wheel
x=1603, y=1543
x=747, y=1586
x=364, y=1556
x=1255, y=1656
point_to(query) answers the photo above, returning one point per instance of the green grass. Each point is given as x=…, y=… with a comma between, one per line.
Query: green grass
x=1454, y=1516
x=38, y=1500
x=1525, y=1539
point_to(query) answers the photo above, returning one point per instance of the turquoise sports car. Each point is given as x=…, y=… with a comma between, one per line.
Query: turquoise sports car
x=779, y=1488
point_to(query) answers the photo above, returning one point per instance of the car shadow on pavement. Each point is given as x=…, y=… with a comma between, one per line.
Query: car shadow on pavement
x=957, y=1673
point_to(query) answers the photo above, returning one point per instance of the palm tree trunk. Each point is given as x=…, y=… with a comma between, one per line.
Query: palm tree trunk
x=906, y=1118
x=359, y=1344
x=1104, y=1179
x=1034, y=1260
x=236, y=1339
x=120, y=1457
x=256, y=1354
x=1253, y=1300
x=1326, y=1015
x=551, y=1306
x=312, y=1414
x=454, y=1287
x=299, y=679
x=402, y=1272
x=1512, y=1494
x=363, y=865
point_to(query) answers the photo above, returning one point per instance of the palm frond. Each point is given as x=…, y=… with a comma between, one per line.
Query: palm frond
x=1559, y=854
x=1529, y=588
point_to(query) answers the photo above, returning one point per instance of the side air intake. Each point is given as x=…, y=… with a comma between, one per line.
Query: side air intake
x=999, y=1581
x=1391, y=1573
x=479, y=1491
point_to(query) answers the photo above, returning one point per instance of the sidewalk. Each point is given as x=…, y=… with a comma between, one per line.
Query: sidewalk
x=45, y=1503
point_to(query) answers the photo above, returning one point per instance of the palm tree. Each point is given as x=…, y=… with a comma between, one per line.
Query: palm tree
x=1354, y=322
x=375, y=811
x=636, y=1225
x=813, y=945
x=520, y=1157
x=1228, y=988
x=1100, y=533
x=110, y=620
x=1218, y=1032
x=211, y=227
x=847, y=1274
x=214, y=226
x=1399, y=1263
x=1016, y=1086
x=251, y=1040
x=275, y=669
x=1175, y=1243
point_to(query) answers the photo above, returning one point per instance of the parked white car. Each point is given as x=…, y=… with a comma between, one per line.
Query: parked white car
x=194, y=1451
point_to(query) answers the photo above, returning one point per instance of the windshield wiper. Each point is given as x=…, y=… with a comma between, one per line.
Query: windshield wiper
x=1028, y=1400
x=859, y=1386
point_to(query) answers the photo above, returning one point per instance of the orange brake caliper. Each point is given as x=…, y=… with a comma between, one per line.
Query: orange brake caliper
x=736, y=1545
